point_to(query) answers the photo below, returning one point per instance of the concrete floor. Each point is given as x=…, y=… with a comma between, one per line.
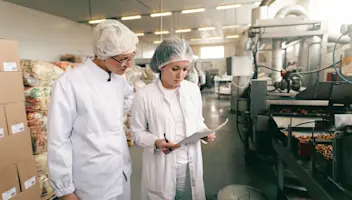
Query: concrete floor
x=223, y=160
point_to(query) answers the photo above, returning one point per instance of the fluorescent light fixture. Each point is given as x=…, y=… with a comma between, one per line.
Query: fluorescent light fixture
x=197, y=10
x=257, y=3
x=196, y=39
x=96, y=21
x=206, y=29
x=232, y=36
x=139, y=34
x=183, y=30
x=228, y=6
x=230, y=26
x=131, y=17
x=214, y=38
x=161, y=14
x=161, y=32
x=157, y=42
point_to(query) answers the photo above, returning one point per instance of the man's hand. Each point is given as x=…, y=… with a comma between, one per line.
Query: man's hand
x=166, y=146
x=69, y=197
x=210, y=138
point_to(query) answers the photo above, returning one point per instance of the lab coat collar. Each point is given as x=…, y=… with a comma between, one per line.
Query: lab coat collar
x=160, y=86
x=97, y=71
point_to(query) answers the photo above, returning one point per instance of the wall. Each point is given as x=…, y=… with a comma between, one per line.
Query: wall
x=42, y=36
x=219, y=64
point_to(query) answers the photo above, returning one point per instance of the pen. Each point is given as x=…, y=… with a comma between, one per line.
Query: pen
x=167, y=141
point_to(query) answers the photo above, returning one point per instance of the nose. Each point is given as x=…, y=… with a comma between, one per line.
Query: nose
x=128, y=63
x=178, y=74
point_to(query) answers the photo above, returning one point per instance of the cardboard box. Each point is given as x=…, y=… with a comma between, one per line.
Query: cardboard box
x=16, y=118
x=32, y=193
x=3, y=124
x=27, y=172
x=11, y=87
x=9, y=56
x=14, y=149
x=9, y=184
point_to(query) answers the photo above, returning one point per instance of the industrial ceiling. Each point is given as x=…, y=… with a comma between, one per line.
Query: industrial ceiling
x=225, y=22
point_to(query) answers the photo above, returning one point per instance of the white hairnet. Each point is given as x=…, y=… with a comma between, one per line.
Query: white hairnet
x=171, y=50
x=112, y=38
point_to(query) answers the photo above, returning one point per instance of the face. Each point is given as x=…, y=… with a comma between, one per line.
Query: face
x=173, y=74
x=119, y=64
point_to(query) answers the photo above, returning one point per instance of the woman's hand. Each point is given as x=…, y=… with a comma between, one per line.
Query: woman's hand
x=69, y=197
x=210, y=138
x=166, y=147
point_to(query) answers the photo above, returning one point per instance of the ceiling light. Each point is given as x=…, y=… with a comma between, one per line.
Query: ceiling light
x=232, y=36
x=230, y=26
x=157, y=42
x=249, y=24
x=193, y=10
x=96, y=21
x=161, y=32
x=131, y=17
x=214, y=38
x=196, y=39
x=161, y=14
x=206, y=29
x=228, y=6
x=257, y=3
x=139, y=34
x=183, y=30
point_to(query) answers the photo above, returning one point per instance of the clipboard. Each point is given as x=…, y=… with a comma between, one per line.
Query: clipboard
x=201, y=134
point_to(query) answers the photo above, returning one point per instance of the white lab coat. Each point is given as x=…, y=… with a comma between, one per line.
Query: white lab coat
x=87, y=148
x=151, y=118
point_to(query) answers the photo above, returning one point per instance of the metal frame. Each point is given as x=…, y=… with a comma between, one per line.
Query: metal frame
x=317, y=189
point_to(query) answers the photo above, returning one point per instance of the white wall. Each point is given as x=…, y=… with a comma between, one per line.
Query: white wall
x=42, y=36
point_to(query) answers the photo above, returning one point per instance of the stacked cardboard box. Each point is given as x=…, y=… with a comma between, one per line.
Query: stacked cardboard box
x=18, y=174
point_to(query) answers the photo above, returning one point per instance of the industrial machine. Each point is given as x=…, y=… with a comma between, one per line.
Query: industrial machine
x=310, y=135
x=295, y=120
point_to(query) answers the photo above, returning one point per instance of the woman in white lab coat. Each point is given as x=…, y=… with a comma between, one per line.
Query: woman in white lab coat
x=164, y=113
x=88, y=156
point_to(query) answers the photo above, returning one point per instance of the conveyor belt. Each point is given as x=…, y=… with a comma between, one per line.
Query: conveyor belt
x=317, y=187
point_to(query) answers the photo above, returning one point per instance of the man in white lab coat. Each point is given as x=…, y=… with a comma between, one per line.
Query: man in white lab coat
x=88, y=156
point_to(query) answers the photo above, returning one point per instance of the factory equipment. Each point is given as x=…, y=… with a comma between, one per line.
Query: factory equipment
x=295, y=120
x=310, y=134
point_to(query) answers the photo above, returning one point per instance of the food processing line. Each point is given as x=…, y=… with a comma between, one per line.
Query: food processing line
x=309, y=134
x=296, y=121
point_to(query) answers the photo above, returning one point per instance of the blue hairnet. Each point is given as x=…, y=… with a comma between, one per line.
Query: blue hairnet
x=169, y=51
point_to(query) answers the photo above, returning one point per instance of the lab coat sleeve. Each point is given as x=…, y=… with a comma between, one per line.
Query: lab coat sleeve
x=62, y=112
x=128, y=97
x=139, y=125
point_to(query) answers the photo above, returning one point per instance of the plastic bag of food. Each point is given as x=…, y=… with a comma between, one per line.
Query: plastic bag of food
x=148, y=75
x=36, y=119
x=133, y=74
x=42, y=160
x=39, y=142
x=37, y=98
x=37, y=73
x=64, y=65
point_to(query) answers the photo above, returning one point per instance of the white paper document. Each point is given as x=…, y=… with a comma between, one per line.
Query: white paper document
x=201, y=134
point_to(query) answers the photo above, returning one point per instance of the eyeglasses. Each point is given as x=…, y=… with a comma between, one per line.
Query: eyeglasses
x=125, y=60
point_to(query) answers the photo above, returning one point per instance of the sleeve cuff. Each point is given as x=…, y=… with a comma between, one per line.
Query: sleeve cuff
x=65, y=191
x=150, y=143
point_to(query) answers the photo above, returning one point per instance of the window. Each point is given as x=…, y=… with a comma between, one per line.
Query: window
x=212, y=52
